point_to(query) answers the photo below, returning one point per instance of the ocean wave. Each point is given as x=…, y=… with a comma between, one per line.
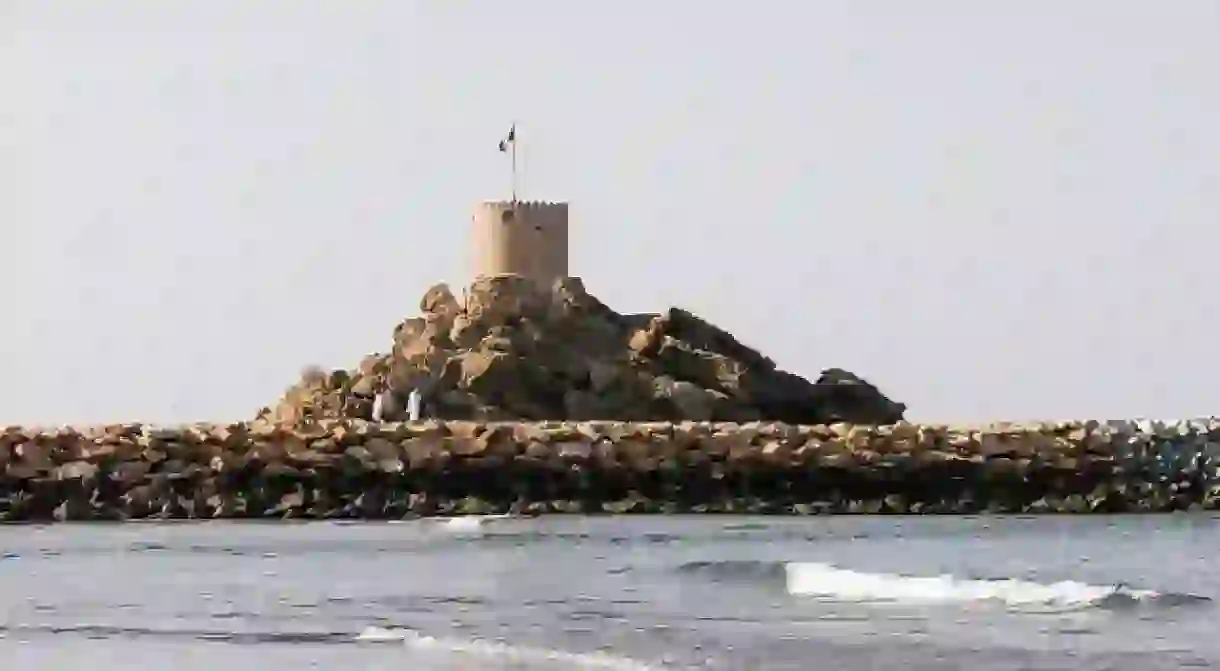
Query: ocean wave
x=831, y=583
x=503, y=652
x=827, y=582
x=464, y=523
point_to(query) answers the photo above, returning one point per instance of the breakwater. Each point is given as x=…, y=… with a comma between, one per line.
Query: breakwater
x=365, y=470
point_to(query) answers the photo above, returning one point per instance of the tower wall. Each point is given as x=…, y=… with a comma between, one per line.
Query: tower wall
x=523, y=238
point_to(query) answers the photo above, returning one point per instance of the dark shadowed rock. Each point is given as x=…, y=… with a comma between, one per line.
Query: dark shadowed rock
x=846, y=397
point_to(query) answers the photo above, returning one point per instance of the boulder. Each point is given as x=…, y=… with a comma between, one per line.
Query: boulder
x=439, y=301
x=484, y=373
x=503, y=300
x=846, y=397
x=510, y=350
x=690, y=401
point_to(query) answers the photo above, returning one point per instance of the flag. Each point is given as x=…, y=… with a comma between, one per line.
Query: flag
x=512, y=138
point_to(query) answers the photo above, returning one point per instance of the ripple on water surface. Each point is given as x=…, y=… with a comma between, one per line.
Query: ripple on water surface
x=615, y=593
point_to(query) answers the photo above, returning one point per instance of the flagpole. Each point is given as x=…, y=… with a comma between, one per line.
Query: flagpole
x=514, y=159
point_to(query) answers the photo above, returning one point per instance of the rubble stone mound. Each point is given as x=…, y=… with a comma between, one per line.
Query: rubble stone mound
x=513, y=351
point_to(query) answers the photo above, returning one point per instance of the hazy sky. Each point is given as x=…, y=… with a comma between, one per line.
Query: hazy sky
x=993, y=210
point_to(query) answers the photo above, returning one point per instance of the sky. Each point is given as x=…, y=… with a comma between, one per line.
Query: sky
x=993, y=211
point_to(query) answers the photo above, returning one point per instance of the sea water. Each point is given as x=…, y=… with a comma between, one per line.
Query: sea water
x=624, y=593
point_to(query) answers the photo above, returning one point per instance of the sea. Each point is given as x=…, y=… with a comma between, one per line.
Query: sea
x=631, y=593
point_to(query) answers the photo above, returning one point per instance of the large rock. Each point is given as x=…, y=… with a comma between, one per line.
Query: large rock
x=846, y=397
x=511, y=351
x=439, y=300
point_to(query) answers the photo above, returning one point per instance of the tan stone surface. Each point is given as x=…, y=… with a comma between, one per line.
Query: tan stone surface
x=122, y=471
x=512, y=350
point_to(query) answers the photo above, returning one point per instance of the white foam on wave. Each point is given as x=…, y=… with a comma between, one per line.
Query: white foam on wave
x=836, y=584
x=503, y=652
x=468, y=522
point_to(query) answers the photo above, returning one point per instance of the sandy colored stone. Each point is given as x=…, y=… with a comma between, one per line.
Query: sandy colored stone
x=439, y=299
x=464, y=447
x=537, y=450
x=573, y=450
x=776, y=450
x=305, y=458
x=499, y=440
x=464, y=429
x=421, y=450
x=383, y=448
x=519, y=351
x=1124, y=467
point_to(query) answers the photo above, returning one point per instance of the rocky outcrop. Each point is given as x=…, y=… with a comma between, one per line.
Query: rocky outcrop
x=358, y=469
x=511, y=351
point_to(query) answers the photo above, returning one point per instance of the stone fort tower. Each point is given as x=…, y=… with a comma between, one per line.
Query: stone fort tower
x=527, y=238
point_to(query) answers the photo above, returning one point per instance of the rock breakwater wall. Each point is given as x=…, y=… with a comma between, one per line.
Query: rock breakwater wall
x=358, y=469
